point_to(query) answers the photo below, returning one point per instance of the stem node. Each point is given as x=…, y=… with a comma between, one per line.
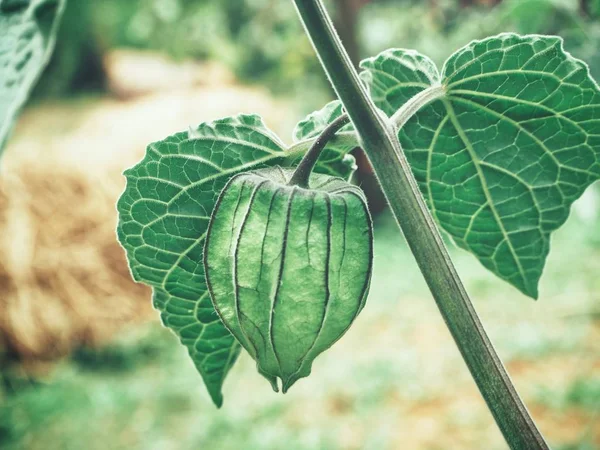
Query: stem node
x=381, y=145
x=302, y=173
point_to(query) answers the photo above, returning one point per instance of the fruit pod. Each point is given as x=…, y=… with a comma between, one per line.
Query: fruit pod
x=288, y=269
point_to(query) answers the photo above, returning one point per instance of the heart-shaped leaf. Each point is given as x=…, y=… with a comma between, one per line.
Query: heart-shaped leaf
x=27, y=33
x=502, y=156
x=163, y=218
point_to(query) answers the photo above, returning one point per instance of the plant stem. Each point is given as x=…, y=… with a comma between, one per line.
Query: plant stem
x=302, y=173
x=349, y=138
x=378, y=138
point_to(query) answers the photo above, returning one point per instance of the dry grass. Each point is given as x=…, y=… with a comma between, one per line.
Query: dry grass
x=63, y=277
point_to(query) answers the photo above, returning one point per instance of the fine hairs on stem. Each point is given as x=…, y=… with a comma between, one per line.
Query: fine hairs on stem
x=302, y=173
x=378, y=138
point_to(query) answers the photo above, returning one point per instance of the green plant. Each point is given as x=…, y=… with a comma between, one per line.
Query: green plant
x=494, y=148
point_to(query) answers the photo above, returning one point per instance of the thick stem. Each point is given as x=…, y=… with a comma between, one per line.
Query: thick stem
x=378, y=138
x=349, y=138
x=302, y=174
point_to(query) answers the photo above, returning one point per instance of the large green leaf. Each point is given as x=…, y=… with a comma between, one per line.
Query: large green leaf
x=27, y=32
x=163, y=218
x=501, y=157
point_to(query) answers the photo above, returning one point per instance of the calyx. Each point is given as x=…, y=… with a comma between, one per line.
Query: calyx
x=288, y=268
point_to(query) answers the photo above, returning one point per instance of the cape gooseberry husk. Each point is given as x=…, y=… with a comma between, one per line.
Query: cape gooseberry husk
x=288, y=269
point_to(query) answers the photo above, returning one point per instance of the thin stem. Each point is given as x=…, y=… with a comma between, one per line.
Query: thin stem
x=343, y=138
x=411, y=107
x=378, y=138
x=302, y=174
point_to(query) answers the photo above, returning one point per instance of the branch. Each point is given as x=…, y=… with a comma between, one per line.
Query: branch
x=302, y=173
x=378, y=138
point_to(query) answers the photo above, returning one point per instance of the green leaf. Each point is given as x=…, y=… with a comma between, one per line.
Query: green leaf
x=314, y=124
x=502, y=156
x=163, y=219
x=27, y=33
x=335, y=159
x=396, y=76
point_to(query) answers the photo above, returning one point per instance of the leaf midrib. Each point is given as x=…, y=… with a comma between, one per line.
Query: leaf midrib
x=231, y=171
x=474, y=158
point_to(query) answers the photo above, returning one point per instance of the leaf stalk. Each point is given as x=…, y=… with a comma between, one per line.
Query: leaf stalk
x=302, y=173
x=409, y=109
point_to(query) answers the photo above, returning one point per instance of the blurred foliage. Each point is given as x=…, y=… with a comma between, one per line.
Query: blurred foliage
x=261, y=39
x=257, y=39
x=403, y=387
x=439, y=27
x=76, y=63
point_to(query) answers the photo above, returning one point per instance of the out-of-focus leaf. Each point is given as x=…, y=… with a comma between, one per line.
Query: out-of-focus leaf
x=27, y=33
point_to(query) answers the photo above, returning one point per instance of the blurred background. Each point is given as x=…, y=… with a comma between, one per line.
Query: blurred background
x=84, y=361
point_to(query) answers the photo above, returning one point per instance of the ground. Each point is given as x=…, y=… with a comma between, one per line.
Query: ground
x=395, y=381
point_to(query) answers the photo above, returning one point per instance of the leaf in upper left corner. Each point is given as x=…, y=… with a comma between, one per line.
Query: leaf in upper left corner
x=27, y=34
